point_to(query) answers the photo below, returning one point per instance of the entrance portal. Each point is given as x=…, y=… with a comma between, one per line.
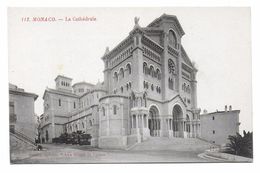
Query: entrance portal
x=154, y=123
x=177, y=123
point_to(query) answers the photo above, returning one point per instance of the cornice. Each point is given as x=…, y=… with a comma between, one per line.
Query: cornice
x=123, y=44
x=152, y=44
x=15, y=92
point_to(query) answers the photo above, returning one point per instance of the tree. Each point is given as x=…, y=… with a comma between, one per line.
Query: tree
x=241, y=145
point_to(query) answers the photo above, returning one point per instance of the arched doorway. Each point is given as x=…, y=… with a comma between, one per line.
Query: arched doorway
x=188, y=126
x=177, y=123
x=154, y=123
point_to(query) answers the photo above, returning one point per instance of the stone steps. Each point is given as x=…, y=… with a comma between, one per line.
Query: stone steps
x=178, y=144
x=17, y=144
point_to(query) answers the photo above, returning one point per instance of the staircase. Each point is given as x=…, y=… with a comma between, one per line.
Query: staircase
x=174, y=144
x=19, y=141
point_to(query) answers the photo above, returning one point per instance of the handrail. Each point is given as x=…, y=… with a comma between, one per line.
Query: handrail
x=23, y=136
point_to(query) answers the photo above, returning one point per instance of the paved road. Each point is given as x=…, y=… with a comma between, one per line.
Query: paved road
x=153, y=150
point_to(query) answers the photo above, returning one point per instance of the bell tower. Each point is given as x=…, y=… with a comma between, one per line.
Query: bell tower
x=63, y=83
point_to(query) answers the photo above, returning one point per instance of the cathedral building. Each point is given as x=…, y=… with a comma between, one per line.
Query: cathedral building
x=149, y=90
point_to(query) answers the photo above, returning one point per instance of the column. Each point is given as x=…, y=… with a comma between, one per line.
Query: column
x=107, y=115
x=132, y=121
x=142, y=116
x=137, y=123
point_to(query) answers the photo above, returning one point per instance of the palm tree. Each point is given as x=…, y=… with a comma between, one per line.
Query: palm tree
x=241, y=145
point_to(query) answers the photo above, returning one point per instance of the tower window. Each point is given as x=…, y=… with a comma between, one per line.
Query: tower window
x=115, y=109
x=213, y=118
x=145, y=68
x=172, y=39
x=128, y=67
x=213, y=131
x=170, y=83
x=104, y=111
x=74, y=105
x=59, y=102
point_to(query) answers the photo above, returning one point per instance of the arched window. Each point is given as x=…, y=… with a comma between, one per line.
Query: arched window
x=121, y=73
x=59, y=102
x=116, y=76
x=128, y=68
x=171, y=66
x=188, y=89
x=114, y=109
x=172, y=39
x=151, y=71
x=145, y=68
x=170, y=83
x=104, y=111
x=158, y=74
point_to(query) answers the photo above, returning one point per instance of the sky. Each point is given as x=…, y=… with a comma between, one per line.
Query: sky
x=218, y=40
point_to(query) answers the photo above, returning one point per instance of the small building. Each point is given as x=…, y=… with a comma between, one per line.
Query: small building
x=21, y=111
x=217, y=126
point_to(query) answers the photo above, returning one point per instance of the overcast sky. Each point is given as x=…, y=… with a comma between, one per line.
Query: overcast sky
x=217, y=39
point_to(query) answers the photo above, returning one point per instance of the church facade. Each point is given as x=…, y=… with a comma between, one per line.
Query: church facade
x=149, y=89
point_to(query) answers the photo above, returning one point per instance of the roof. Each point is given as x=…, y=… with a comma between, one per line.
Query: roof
x=219, y=112
x=83, y=82
x=13, y=89
x=54, y=91
x=63, y=77
x=165, y=17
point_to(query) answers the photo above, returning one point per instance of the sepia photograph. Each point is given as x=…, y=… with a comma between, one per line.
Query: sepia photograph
x=130, y=85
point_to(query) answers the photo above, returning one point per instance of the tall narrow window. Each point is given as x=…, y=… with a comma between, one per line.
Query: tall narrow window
x=59, y=102
x=121, y=73
x=115, y=77
x=172, y=39
x=114, y=109
x=74, y=105
x=170, y=83
x=151, y=71
x=158, y=74
x=145, y=68
x=128, y=67
x=104, y=111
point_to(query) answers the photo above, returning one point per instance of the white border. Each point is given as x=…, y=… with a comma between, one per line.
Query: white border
x=223, y=167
